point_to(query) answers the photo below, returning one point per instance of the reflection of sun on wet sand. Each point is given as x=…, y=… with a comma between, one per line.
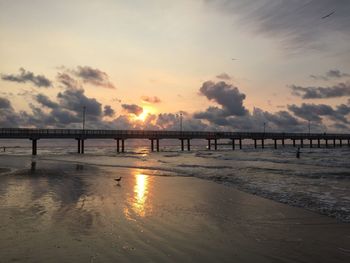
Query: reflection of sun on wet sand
x=57, y=213
x=138, y=201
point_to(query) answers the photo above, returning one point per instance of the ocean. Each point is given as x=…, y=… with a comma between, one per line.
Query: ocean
x=318, y=181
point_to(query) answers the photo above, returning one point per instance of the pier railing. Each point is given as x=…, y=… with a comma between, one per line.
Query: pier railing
x=159, y=134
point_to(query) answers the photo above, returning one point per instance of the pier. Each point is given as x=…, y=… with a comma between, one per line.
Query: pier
x=185, y=137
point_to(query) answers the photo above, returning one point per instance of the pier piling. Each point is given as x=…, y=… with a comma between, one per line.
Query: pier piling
x=34, y=146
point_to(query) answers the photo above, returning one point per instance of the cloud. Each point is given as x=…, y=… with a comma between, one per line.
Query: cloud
x=314, y=112
x=45, y=101
x=75, y=100
x=229, y=113
x=27, y=76
x=335, y=73
x=226, y=95
x=93, y=76
x=152, y=100
x=214, y=115
x=108, y=111
x=132, y=108
x=67, y=81
x=224, y=76
x=339, y=90
x=232, y=114
x=331, y=74
x=8, y=117
x=297, y=24
x=5, y=103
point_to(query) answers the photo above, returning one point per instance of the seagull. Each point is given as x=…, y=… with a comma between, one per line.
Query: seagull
x=118, y=179
x=326, y=16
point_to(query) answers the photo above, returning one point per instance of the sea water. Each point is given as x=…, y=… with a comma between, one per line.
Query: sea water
x=319, y=180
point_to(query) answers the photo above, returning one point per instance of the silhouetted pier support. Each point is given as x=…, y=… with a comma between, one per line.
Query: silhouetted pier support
x=293, y=142
x=255, y=143
x=80, y=146
x=82, y=149
x=334, y=143
x=283, y=142
x=152, y=144
x=310, y=143
x=209, y=144
x=318, y=143
x=326, y=143
x=240, y=144
x=123, y=145
x=215, y=144
x=233, y=144
x=348, y=142
x=34, y=146
x=262, y=143
x=275, y=143
x=183, y=144
x=301, y=143
x=78, y=151
x=120, y=146
x=340, y=143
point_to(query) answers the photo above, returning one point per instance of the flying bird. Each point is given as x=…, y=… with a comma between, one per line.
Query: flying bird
x=326, y=16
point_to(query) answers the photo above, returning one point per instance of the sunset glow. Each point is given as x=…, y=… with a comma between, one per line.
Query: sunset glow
x=198, y=57
x=147, y=110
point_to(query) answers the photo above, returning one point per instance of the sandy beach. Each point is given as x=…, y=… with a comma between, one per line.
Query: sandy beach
x=64, y=212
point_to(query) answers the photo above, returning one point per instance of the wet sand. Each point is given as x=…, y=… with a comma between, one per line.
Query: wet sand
x=55, y=212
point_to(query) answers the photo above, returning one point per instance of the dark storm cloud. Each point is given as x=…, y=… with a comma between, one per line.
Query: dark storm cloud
x=339, y=90
x=331, y=74
x=132, y=108
x=297, y=23
x=93, y=76
x=108, y=111
x=226, y=95
x=224, y=76
x=27, y=76
x=152, y=100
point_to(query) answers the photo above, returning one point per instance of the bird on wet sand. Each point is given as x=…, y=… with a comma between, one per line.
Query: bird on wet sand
x=118, y=179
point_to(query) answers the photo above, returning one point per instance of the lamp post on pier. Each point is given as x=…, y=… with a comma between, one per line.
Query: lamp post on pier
x=180, y=116
x=84, y=110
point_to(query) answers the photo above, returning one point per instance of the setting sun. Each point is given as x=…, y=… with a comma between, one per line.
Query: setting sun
x=147, y=110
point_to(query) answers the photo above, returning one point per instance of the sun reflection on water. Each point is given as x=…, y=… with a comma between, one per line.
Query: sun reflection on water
x=139, y=201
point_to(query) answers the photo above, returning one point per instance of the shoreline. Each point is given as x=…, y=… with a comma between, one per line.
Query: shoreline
x=77, y=213
x=156, y=169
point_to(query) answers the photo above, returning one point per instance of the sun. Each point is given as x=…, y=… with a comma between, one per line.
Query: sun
x=147, y=110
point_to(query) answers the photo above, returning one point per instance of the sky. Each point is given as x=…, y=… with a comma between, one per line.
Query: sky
x=222, y=64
